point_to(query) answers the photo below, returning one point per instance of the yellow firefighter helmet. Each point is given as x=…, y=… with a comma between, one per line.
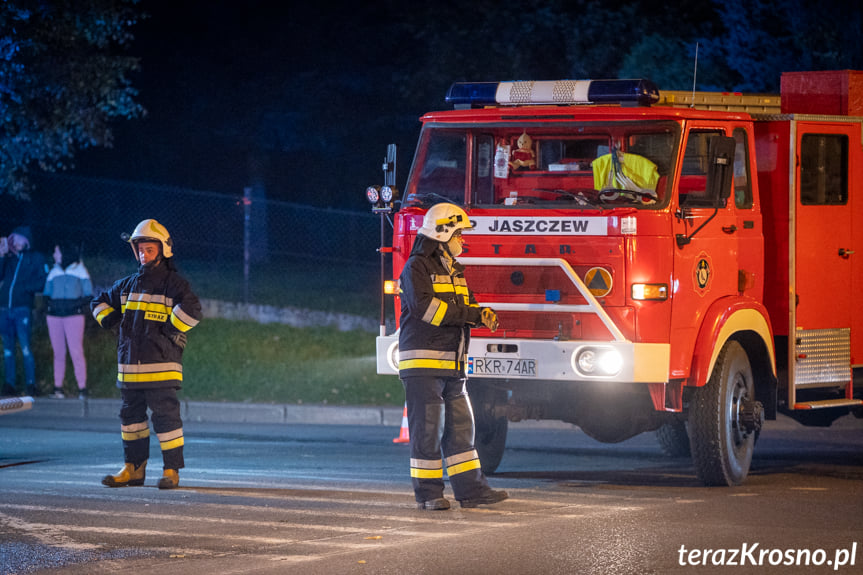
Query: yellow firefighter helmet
x=442, y=220
x=153, y=231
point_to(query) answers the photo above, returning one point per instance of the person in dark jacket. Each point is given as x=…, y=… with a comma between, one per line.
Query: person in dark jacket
x=154, y=309
x=22, y=275
x=437, y=312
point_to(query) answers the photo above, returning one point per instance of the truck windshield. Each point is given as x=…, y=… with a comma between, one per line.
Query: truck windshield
x=595, y=165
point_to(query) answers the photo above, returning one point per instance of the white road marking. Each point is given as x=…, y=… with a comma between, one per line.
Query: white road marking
x=44, y=533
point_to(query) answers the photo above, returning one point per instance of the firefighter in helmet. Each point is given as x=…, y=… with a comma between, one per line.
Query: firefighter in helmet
x=152, y=311
x=437, y=313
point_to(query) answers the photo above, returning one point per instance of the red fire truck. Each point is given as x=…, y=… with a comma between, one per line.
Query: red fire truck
x=684, y=263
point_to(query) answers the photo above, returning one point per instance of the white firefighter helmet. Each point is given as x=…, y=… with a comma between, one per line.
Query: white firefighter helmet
x=153, y=231
x=442, y=220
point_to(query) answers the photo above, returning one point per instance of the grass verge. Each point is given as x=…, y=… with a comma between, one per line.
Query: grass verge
x=241, y=361
x=246, y=361
x=339, y=287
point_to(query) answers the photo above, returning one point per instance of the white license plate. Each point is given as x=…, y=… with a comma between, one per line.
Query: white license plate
x=501, y=366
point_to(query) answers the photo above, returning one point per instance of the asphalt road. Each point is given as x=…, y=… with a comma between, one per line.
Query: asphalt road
x=308, y=498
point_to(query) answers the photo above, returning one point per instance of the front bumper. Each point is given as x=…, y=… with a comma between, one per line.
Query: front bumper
x=552, y=360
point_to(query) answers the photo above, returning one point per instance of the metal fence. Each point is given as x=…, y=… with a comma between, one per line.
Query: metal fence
x=203, y=224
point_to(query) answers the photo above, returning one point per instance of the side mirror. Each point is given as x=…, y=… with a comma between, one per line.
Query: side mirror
x=390, y=166
x=720, y=171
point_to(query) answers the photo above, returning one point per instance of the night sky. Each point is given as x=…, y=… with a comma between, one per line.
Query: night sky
x=303, y=98
x=226, y=82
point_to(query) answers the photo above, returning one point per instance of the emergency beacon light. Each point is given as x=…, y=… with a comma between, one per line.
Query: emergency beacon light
x=475, y=94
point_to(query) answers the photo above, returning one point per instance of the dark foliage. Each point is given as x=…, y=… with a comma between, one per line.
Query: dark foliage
x=63, y=77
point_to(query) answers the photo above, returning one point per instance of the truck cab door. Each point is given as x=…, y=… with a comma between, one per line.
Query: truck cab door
x=706, y=243
x=822, y=310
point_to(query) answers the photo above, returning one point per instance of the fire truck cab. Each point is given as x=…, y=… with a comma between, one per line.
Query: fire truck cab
x=668, y=261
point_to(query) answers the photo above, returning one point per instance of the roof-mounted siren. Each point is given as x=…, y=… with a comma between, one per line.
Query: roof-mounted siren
x=638, y=92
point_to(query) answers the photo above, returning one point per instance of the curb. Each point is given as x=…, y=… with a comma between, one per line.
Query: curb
x=291, y=414
x=217, y=412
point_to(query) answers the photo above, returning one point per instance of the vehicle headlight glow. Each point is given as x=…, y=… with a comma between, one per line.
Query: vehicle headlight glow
x=597, y=361
x=610, y=362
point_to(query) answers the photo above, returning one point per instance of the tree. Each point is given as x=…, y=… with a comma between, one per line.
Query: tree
x=63, y=78
x=665, y=60
x=764, y=38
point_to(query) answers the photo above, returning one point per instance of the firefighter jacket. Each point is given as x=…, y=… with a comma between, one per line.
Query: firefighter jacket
x=436, y=314
x=151, y=308
x=21, y=277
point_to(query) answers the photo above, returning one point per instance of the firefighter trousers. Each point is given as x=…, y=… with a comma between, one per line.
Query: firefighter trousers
x=440, y=422
x=165, y=412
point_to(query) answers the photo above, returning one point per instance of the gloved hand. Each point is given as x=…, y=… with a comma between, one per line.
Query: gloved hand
x=489, y=318
x=179, y=339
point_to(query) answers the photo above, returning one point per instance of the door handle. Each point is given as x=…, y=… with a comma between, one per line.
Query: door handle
x=729, y=229
x=845, y=253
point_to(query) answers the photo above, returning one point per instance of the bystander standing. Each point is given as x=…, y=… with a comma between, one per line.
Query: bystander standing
x=68, y=290
x=22, y=275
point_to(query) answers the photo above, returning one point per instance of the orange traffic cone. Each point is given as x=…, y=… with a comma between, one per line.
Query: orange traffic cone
x=404, y=436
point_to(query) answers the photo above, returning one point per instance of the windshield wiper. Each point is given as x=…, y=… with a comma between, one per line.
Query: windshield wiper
x=642, y=196
x=577, y=195
x=426, y=200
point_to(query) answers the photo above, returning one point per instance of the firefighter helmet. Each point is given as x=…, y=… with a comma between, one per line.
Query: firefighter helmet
x=442, y=220
x=153, y=231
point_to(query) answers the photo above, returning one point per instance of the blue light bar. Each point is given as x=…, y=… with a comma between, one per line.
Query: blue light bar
x=466, y=94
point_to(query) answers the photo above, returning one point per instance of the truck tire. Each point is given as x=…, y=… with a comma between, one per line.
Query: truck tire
x=720, y=442
x=673, y=439
x=490, y=438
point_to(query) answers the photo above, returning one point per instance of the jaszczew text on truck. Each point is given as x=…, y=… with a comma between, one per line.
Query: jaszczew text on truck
x=679, y=262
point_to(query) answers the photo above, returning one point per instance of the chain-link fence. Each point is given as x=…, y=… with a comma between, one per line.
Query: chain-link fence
x=232, y=230
x=98, y=211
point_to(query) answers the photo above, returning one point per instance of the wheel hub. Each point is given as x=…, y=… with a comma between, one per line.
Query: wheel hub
x=747, y=415
x=751, y=416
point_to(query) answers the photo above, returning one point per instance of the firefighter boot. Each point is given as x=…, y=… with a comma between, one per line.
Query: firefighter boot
x=439, y=504
x=488, y=497
x=130, y=475
x=170, y=479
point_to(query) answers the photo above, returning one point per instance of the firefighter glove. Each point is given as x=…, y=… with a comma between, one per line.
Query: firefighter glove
x=179, y=339
x=489, y=318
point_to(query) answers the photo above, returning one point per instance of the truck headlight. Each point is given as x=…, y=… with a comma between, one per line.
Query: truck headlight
x=597, y=361
x=610, y=362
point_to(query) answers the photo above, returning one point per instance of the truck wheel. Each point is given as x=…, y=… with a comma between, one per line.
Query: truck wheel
x=673, y=439
x=490, y=438
x=724, y=420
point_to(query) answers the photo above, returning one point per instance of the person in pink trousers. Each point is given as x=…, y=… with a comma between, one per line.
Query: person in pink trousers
x=68, y=290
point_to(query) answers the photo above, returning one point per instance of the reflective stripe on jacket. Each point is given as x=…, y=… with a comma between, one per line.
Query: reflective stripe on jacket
x=437, y=311
x=150, y=307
